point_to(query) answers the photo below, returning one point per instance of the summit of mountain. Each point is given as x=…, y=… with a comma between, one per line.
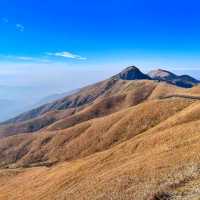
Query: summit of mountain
x=132, y=73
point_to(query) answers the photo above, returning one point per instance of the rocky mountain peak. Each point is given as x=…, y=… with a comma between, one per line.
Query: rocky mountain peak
x=132, y=73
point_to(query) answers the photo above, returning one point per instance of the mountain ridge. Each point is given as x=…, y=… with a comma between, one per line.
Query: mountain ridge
x=68, y=106
x=179, y=80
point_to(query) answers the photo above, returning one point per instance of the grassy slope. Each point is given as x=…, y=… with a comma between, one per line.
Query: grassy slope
x=91, y=102
x=145, y=151
x=148, y=165
x=88, y=137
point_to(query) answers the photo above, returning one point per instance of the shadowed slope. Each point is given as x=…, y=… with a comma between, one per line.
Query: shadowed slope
x=88, y=137
x=121, y=95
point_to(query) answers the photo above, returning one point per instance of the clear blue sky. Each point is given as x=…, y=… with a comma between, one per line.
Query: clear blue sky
x=96, y=38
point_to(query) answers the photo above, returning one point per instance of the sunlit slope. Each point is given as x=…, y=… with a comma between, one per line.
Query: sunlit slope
x=117, y=139
x=149, y=166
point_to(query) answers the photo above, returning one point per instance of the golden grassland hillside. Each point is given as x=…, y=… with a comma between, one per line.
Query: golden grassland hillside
x=91, y=102
x=88, y=137
x=122, y=95
x=152, y=165
x=119, y=139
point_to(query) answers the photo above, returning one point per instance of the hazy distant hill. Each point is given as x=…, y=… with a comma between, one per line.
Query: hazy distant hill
x=21, y=99
x=16, y=99
x=54, y=97
x=10, y=108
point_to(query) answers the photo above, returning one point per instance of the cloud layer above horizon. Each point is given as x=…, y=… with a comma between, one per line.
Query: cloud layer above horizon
x=66, y=54
x=43, y=57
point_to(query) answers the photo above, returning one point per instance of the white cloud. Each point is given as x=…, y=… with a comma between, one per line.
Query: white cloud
x=4, y=20
x=66, y=54
x=32, y=59
x=25, y=59
x=48, y=58
x=20, y=27
x=13, y=57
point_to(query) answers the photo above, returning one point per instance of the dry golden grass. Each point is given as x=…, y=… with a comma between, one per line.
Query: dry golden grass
x=88, y=137
x=144, y=167
x=91, y=102
x=94, y=101
x=127, y=144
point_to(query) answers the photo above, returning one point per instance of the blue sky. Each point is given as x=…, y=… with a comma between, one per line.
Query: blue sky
x=64, y=44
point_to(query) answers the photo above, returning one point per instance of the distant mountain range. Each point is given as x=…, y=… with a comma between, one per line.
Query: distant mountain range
x=21, y=99
x=10, y=107
x=54, y=97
